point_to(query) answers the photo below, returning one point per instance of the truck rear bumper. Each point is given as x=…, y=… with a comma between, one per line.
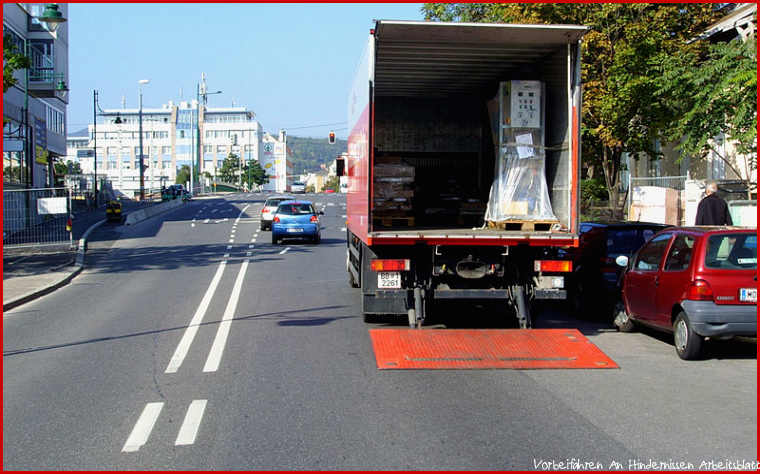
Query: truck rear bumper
x=539, y=293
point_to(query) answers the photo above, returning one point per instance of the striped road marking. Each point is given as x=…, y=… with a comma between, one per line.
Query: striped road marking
x=143, y=427
x=192, y=422
x=215, y=356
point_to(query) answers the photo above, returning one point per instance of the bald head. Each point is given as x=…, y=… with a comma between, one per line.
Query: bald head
x=712, y=188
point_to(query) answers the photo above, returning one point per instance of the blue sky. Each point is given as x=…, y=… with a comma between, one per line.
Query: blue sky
x=292, y=64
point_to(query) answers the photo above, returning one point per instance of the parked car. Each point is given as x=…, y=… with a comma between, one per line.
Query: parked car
x=593, y=288
x=329, y=191
x=296, y=220
x=270, y=206
x=694, y=282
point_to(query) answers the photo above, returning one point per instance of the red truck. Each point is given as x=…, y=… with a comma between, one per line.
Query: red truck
x=463, y=165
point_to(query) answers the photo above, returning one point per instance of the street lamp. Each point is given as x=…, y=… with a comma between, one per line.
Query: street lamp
x=142, y=170
x=201, y=94
x=51, y=17
x=119, y=159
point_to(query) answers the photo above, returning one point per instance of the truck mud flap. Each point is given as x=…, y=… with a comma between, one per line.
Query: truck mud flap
x=387, y=302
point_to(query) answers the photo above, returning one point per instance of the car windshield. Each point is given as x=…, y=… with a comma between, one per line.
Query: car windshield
x=732, y=251
x=295, y=209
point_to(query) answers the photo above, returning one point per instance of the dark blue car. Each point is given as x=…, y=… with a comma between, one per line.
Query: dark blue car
x=296, y=220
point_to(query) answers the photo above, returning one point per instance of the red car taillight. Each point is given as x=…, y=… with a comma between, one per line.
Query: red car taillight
x=314, y=219
x=276, y=219
x=700, y=290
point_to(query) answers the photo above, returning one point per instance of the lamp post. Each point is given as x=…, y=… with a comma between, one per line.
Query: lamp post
x=201, y=94
x=51, y=17
x=233, y=143
x=142, y=170
x=120, y=161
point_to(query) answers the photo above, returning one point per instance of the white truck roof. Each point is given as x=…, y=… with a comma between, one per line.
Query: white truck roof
x=413, y=57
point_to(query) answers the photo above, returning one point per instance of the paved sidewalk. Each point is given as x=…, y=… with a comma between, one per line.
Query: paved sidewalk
x=27, y=276
x=31, y=273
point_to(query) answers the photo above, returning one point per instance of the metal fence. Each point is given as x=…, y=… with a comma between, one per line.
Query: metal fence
x=36, y=217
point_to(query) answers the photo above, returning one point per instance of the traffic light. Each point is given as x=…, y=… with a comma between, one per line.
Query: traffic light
x=331, y=138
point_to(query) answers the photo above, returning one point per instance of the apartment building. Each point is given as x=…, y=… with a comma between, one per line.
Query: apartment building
x=34, y=109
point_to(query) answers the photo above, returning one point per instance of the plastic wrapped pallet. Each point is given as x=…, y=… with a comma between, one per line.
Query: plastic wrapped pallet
x=519, y=191
x=393, y=190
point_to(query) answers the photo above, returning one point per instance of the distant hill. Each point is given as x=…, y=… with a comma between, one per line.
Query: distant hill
x=310, y=153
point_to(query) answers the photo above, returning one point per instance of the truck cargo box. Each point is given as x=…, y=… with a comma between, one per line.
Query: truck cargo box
x=420, y=102
x=463, y=166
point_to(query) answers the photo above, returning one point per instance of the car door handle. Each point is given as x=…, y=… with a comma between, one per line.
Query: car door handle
x=656, y=281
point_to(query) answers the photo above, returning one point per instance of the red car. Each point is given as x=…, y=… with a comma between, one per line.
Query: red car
x=694, y=282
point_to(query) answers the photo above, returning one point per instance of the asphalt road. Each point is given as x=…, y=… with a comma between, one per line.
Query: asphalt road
x=190, y=342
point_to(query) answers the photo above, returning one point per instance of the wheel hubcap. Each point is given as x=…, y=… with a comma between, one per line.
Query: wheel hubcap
x=621, y=317
x=682, y=335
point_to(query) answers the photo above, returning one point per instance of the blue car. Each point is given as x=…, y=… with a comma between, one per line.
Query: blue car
x=296, y=220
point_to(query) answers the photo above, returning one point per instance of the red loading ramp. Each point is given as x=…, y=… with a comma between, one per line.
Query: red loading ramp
x=486, y=349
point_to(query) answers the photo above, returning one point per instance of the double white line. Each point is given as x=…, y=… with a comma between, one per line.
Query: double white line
x=148, y=418
x=190, y=426
x=215, y=356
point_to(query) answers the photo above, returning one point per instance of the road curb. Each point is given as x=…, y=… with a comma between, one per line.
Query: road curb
x=65, y=280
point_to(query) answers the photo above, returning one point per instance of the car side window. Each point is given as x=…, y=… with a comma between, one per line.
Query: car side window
x=680, y=252
x=731, y=251
x=650, y=255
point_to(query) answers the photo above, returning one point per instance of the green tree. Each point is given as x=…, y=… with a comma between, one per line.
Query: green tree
x=69, y=167
x=12, y=61
x=183, y=175
x=621, y=111
x=229, y=169
x=714, y=95
x=256, y=173
x=332, y=182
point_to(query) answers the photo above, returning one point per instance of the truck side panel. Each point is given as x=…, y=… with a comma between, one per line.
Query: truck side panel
x=359, y=159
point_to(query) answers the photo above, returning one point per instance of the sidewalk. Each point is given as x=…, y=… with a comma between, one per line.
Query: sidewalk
x=30, y=273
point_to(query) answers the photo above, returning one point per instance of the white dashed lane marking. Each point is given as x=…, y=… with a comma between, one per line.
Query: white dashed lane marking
x=144, y=426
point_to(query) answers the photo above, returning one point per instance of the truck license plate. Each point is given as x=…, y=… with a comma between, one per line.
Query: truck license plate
x=748, y=295
x=387, y=280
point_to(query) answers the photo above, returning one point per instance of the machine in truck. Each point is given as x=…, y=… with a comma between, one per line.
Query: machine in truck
x=463, y=166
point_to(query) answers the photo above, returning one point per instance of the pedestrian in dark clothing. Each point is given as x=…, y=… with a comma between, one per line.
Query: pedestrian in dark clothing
x=713, y=210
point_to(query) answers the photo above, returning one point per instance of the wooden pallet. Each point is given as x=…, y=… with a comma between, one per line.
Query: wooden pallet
x=390, y=221
x=526, y=226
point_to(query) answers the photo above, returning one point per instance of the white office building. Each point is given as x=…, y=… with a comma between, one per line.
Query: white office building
x=174, y=135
